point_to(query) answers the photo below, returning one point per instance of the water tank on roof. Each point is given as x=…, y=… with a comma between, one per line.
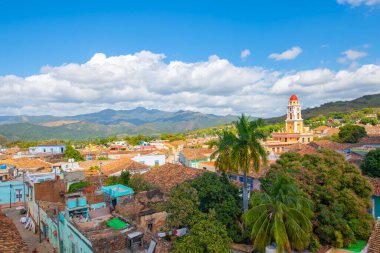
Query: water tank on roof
x=270, y=249
x=3, y=166
x=71, y=203
x=82, y=201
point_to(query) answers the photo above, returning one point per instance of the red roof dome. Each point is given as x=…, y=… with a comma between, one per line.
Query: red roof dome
x=293, y=98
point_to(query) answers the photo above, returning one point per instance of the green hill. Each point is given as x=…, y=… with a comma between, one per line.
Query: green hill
x=338, y=106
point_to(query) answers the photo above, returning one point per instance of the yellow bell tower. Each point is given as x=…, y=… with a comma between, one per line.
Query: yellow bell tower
x=294, y=121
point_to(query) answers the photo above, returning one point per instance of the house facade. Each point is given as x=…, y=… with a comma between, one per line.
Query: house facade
x=53, y=149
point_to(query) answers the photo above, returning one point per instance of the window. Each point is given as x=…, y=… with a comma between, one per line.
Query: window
x=303, y=140
x=156, y=162
x=308, y=139
x=286, y=139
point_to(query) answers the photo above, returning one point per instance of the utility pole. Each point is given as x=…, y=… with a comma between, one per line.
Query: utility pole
x=100, y=174
x=10, y=195
x=23, y=185
x=58, y=234
x=39, y=220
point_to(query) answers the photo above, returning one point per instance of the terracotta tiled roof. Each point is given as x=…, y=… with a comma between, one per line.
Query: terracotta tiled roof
x=321, y=128
x=327, y=144
x=196, y=153
x=301, y=149
x=112, y=166
x=374, y=240
x=10, y=239
x=369, y=140
x=27, y=163
x=372, y=130
x=169, y=175
x=375, y=185
x=330, y=131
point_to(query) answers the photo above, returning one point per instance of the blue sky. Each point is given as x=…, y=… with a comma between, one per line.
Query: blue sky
x=185, y=54
x=37, y=33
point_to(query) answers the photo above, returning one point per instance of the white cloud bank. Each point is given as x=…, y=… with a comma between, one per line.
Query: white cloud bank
x=356, y=3
x=289, y=54
x=145, y=79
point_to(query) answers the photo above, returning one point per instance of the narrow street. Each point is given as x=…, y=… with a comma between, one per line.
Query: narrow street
x=32, y=240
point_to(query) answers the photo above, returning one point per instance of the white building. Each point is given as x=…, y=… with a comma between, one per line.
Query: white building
x=52, y=149
x=66, y=166
x=151, y=160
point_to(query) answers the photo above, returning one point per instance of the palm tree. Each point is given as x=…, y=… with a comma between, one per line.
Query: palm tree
x=240, y=150
x=281, y=215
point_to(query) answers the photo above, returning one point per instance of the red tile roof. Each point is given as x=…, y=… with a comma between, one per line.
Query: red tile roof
x=327, y=144
x=10, y=239
x=169, y=175
x=374, y=240
x=196, y=153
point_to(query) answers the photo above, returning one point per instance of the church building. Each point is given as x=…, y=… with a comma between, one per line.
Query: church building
x=295, y=131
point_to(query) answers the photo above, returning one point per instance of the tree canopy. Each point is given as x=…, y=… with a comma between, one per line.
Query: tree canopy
x=71, y=153
x=280, y=214
x=219, y=194
x=371, y=163
x=340, y=194
x=351, y=133
x=240, y=150
x=207, y=235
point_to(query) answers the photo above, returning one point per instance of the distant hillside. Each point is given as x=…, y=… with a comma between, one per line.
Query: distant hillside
x=338, y=106
x=106, y=123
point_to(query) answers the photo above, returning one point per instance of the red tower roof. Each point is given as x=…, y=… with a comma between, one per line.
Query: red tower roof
x=293, y=98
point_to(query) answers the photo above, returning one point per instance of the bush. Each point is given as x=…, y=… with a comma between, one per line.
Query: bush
x=371, y=163
x=78, y=186
x=351, y=133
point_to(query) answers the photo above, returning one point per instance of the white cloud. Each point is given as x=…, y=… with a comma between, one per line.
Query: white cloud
x=351, y=55
x=145, y=79
x=244, y=54
x=356, y=3
x=289, y=54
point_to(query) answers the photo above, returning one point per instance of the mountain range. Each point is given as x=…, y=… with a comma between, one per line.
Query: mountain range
x=141, y=120
x=105, y=123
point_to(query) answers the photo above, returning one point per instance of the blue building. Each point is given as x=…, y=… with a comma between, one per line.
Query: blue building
x=52, y=149
x=114, y=194
x=11, y=192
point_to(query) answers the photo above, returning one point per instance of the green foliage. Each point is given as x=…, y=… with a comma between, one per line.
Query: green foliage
x=219, y=194
x=22, y=144
x=351, y=133
x=316, y=121
x=123, y=179
x=371, y=163
x=207, y=235
x=104, y=141
x=103, y=158
x=136, y=139
x=340, y=194
x=138, y=184
x=314, y=244
x=240, y=150
x=370, y=121
x=280, y=214
x=78, y=186
x=182, y=206
x=112, y=180
x=173, y=137
x=71, y=153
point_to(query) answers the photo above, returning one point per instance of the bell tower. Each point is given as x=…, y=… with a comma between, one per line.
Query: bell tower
x=294, y=121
